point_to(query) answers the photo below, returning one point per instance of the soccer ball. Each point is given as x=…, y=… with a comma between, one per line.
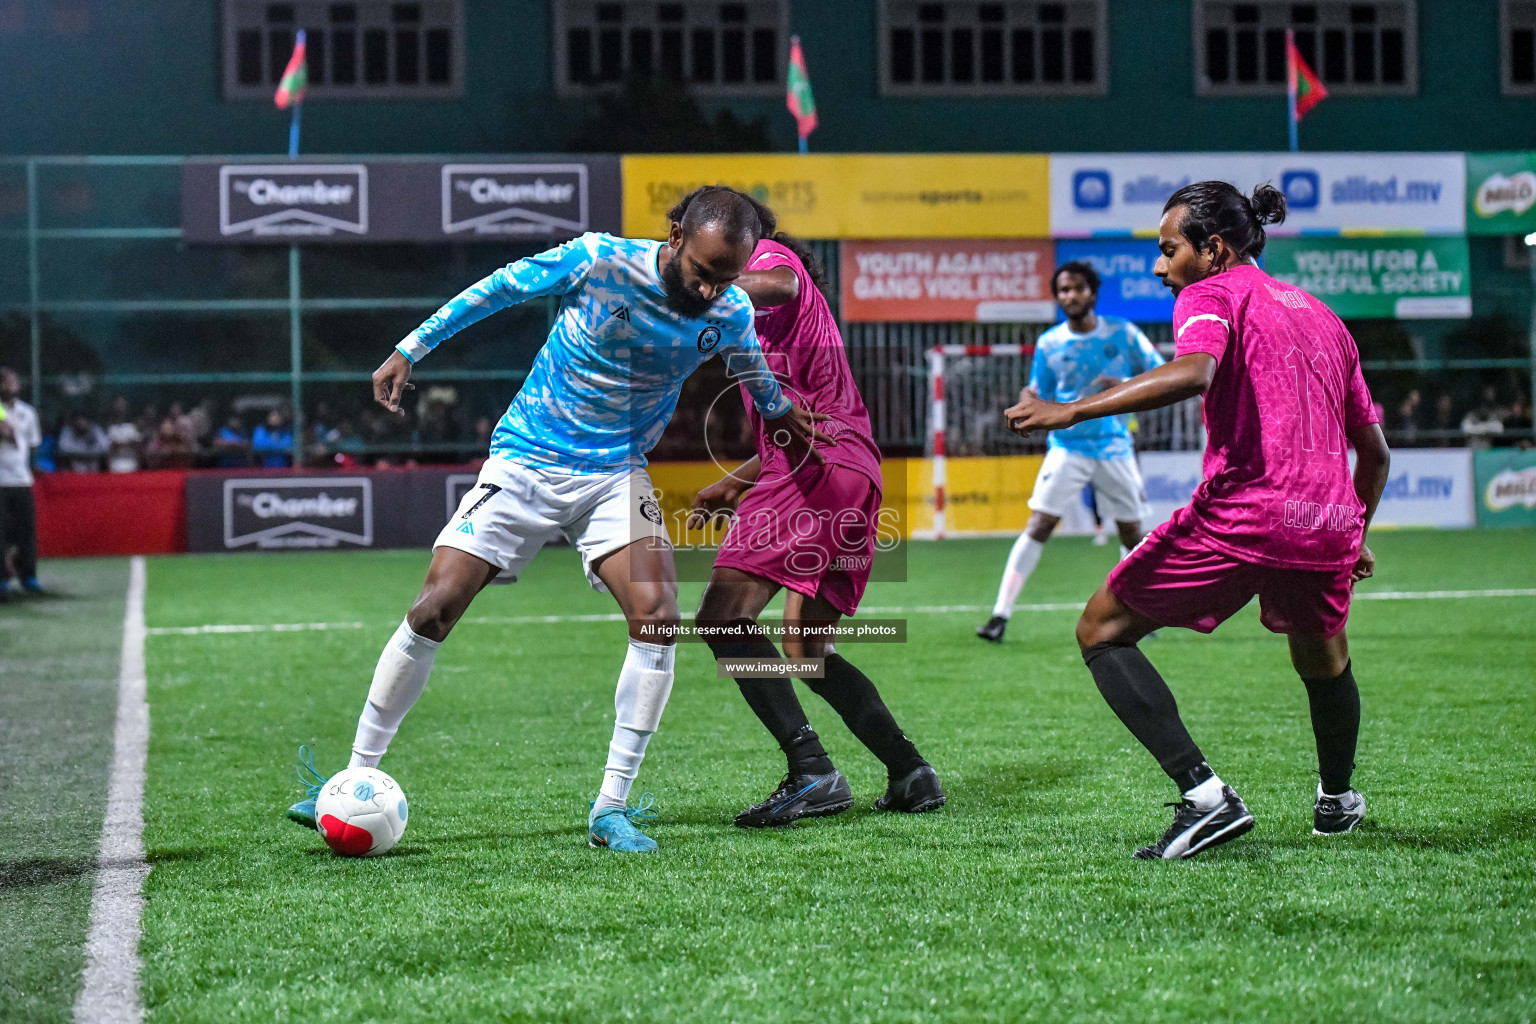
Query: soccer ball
x=361, y=812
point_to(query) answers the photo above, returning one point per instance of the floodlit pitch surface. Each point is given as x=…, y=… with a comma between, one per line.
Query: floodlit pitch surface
x=1018, y=901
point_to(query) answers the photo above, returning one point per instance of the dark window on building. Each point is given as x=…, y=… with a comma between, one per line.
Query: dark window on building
x=370, y=48
x=1023, y=55
x=1518, y=23
x=279, y=49
x=974, y=46
x=439, y=56
x=314, y=54
x=1359, y=48
x=729, y=47
x=765, y=55
x=376, y=56
x=248, y=60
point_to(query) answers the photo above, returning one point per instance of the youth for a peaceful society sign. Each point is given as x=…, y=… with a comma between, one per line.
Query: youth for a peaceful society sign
x=978, y=280
x=1378, y=278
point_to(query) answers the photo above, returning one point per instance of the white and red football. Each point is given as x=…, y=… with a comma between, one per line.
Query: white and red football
x=361, y=812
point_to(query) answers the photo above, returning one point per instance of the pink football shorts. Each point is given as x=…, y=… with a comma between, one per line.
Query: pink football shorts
x=812, y=532
x=1175, y=579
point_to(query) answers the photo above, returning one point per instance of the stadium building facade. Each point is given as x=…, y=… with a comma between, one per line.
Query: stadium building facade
x=121, y=274
x=446, y=76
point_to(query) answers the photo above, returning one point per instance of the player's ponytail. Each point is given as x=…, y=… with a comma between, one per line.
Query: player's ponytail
x=1218, y=208
x=1268, y=204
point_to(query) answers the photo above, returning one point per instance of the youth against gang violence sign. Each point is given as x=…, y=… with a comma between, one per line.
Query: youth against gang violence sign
x=967, y=280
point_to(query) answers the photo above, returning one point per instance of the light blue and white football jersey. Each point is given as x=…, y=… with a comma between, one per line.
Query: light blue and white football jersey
x=1068, y=366
x=607, y=380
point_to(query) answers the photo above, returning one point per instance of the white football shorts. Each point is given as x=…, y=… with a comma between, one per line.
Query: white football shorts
x=514, y=510
x=1117, y=486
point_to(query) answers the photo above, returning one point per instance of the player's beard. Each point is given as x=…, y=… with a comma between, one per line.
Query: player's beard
x=680, y=298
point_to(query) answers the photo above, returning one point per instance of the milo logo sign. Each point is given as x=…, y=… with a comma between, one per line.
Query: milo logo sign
x=1498, y=194
x=1506, y=487
x=1511, y=488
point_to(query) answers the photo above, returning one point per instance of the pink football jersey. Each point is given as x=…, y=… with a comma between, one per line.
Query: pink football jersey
x=1278, y=489
x=804, y=350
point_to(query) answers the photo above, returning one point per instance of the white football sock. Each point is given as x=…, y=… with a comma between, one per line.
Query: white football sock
x=645, y=682
x=1021, y=562
x=397, y=683
x=1206, y=795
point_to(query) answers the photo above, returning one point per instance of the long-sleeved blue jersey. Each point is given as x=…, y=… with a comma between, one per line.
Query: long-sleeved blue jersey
x=606, y=382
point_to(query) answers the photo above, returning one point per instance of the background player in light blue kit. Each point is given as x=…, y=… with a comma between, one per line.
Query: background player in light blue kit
x=1080, y=357
x=636, y=318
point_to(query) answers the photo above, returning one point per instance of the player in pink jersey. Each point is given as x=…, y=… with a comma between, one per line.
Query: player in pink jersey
x=1279, y=514
x=809, y=529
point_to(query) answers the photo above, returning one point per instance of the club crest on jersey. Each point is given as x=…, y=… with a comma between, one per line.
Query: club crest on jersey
x=709, y=337
x=651, y=508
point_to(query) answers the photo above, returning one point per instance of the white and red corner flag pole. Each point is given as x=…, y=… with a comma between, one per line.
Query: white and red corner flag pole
x=936, y=414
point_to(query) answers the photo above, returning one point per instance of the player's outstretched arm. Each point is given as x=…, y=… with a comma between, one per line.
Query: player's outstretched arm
x=1185, y=377
x=720, y=498
x=557, y=271
x=772, y=287
x=1372, y=464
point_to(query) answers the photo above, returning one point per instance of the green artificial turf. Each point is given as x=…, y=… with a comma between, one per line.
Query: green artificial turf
x=1018, y=901
x=58, y=697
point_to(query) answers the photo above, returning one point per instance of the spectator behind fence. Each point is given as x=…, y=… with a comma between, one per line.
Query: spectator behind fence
x=1444, y=422
x=232, y=445
x=19, y=434
x=1517, y=420
x=272, y=441
x=170, y=448
x=1483, y=421
x=82, y=444
x=1407, y=424
x=126, y=443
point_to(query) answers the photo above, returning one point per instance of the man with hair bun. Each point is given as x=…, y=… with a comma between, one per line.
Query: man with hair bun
x=1084, y=355
x=1279, y=514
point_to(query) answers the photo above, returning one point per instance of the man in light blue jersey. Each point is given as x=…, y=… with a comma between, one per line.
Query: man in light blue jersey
x=1080, y=357
x=636, y=318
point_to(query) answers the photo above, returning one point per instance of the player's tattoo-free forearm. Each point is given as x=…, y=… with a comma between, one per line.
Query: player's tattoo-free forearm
x=1373, y=462
x=1184, y=377
x=746, y=473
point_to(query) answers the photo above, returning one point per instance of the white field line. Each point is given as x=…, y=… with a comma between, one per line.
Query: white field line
x=110, y=986
x=868, y=610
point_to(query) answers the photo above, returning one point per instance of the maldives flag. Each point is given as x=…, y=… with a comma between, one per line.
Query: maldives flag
x=295, y=77
x=1303, y=84
x=799, y=99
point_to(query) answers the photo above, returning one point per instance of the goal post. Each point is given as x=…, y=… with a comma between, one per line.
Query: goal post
x=969, y=386
x=989, y=383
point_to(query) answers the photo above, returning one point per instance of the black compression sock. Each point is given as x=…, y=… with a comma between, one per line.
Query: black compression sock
x=774, y=701
x=1142, y=700
x=1335, y=705
x=856, y=700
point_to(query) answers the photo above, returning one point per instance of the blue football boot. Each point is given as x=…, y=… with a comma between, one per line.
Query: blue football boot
x=303, y=812
x=614, y=828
